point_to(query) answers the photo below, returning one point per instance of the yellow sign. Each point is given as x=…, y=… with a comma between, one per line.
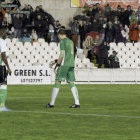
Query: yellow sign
x=113, y=3
x=75, y=3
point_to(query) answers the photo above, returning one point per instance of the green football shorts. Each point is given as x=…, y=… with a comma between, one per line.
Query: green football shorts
x=65, y=73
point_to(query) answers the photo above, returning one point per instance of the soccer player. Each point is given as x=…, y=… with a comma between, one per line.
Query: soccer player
x=3, y=71
x=65, y=71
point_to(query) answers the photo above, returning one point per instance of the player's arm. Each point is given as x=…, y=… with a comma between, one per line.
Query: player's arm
x=60, y=59
x=4, y=58
x=61, y=56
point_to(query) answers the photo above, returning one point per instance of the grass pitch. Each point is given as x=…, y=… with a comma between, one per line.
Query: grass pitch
x=108, y=112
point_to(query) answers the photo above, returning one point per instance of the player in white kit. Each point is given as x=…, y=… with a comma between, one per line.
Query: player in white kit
x=4, y=71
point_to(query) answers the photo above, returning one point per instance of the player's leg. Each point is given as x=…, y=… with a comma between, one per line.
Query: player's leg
x=60, y=76
x=55, y=92
x=71, y=80
x=3, y=95
x=75, y=95
x=3, y=88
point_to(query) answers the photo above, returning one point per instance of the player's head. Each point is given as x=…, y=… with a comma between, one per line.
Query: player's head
x=62, y=34
x=2, y=33
x=114, y=53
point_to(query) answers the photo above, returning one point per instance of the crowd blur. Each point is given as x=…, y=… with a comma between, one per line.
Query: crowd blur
x=98, y=26
x=28, y=24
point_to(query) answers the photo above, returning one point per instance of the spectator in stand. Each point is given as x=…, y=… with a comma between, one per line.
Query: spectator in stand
x=50, y=19
x=6, y=25
x=17, y=2
x=17, y=23
x=133, y=17
x=51, y=32
x=110, y=32
x=94, y=26
x=39, y=26
x=36, y=13
x=87, y=47
x=99, y=14
x=25, y=20
x=95, y=50
x=94, y=11
x=121, y=16
x=45, y=14
x=33, y=35
x=26, y=8
x=58, y=26
x=116, y=23
x=121, y=34
x=25, y=37
x=89, y=13
x=98, y=6
x=8, y=16
x=103, y=55
x=126, y=16
x=25, y=33
x=118, y=12
x=74, y=31
x=85, y=9
x=82, y=32
x=138, y=15
x=105, y=23
x=46, y=29
x=101, y=27
x=114, y=60
x=41, y=9
x=113, y=14
x=30, y=8
x=107, y=11
x=7, y=21
x=134, y=32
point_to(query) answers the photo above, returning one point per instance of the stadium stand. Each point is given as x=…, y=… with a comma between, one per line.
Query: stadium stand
x=129, y=54
x=41, y=53
x=38, y=54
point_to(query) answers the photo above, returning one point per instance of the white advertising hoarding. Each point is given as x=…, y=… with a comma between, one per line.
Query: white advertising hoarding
x=32, y=75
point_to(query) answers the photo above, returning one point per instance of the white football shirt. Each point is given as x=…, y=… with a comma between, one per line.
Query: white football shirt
x=3, y=48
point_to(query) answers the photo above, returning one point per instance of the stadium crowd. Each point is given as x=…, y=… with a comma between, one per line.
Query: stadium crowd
x=96, y=27
x=28, y=24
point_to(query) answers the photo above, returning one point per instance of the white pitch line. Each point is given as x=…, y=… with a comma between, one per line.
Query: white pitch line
x=78, y=114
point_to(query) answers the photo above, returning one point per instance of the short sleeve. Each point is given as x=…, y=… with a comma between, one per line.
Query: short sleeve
x=3, y=46
x=62, y=46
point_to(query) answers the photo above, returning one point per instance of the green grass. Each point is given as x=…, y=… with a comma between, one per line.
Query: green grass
x=121, y=104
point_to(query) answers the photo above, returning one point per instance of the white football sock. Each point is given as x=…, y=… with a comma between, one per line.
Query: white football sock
x=54, y=94
x=75, y=95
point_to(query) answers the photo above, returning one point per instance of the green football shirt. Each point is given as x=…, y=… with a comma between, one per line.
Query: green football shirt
x=67, y=46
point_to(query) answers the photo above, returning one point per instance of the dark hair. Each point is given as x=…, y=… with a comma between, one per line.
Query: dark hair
x=114, y=52
x=62, y=32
